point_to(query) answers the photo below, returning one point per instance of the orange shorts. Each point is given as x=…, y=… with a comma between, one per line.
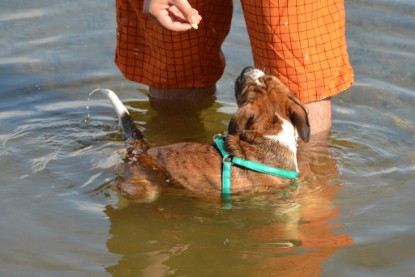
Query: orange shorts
x=302, y=42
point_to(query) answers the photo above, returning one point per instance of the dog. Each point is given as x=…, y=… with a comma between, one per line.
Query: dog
x=263, y=132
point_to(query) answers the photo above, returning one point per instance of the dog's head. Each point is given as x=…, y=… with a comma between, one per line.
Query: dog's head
x=266, y=107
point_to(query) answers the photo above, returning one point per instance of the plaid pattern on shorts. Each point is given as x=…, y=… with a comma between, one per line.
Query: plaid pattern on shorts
x=303, y=43
x=148, y=54
x=300, y=41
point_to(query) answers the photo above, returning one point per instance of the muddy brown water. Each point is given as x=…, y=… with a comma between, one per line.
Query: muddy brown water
x=352, y=215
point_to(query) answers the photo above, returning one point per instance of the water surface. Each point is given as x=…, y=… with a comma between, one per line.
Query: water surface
x=352, y=215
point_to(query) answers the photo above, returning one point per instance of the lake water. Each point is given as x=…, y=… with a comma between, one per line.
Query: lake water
x=352, y=215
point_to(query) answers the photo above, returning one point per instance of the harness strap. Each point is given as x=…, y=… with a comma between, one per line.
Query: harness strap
x=226, y=165
x=228, y=160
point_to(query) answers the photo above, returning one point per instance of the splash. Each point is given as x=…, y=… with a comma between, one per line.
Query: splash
x=88, y=114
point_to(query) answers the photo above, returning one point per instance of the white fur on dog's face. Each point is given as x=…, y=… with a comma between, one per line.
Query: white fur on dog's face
x=254, y=75
x=287, y=137
x=261, y=97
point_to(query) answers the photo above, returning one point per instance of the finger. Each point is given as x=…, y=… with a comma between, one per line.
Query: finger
x=190, y=14
x=180, y=17
x=177, y=13
x=173, y=23
x=170, y=16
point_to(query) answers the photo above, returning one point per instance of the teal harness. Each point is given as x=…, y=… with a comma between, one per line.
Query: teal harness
x=228, y=161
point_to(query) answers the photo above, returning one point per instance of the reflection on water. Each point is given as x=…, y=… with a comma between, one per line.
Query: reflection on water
x=350, y=215
x=178, y=121
x=267, y=236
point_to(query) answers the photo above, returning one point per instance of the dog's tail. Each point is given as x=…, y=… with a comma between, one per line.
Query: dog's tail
x=126, y=122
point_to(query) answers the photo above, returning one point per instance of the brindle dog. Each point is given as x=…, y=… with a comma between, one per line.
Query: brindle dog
x=264, y=129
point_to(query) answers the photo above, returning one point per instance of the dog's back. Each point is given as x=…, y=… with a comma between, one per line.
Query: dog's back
x=263, y=130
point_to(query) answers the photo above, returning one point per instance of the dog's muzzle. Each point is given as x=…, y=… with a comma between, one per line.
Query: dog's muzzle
x=251, y=74
x=247, y=75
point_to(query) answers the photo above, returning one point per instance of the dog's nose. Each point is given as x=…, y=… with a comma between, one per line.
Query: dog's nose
x=251, y=73
x=246, y=70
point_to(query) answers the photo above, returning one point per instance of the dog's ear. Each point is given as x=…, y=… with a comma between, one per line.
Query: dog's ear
x=299, y=118
x=241, y=120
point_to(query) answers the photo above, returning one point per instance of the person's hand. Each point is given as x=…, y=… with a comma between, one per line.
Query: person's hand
x=174, y=15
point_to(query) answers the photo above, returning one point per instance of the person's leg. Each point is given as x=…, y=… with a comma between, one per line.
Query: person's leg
x=186, y=94
x=175, y=65
x=319, y=116
x=303, y=44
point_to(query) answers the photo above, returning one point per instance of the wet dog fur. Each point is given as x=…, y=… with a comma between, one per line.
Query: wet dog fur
x=264, y=129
